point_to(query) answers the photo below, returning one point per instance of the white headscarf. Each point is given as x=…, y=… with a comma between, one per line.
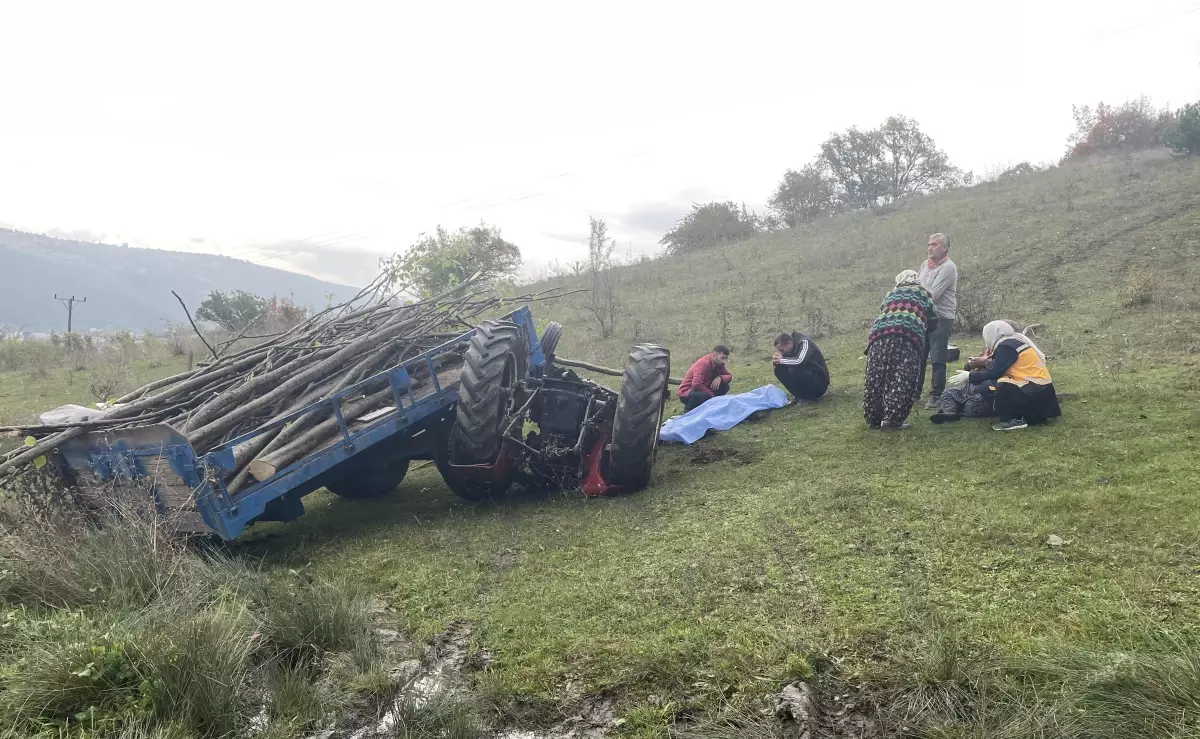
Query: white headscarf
x=998, y=331
x=908, y=277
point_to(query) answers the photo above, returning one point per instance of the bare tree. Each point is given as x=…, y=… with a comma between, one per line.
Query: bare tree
x=602, y=278
x=914, y=164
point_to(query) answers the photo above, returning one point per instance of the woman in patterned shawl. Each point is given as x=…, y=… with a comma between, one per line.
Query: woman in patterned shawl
x=896, y=351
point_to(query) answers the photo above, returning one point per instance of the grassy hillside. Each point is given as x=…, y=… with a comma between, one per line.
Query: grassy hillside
x=1068, y=248
x=910, y=577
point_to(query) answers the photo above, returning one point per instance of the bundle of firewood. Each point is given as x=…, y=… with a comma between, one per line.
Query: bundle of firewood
x=240, y=390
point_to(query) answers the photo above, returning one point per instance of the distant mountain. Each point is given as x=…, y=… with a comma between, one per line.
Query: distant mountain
x=125, y=287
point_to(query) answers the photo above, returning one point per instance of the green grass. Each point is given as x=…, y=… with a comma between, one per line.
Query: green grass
x=909, y=570
x=25, y=394
x=198, y=650
x=823, y=538
x=833, y=539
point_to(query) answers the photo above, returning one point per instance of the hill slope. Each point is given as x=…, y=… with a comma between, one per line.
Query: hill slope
x=127, y=288
x=1068, y=248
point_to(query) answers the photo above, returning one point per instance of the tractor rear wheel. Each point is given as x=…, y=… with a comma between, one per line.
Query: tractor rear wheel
x=493, y=366
x=639, y=415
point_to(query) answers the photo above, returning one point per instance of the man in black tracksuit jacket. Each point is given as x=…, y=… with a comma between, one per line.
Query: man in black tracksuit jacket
x=800, y=366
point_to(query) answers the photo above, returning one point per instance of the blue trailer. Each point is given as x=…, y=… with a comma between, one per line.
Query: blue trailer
x=500, y=412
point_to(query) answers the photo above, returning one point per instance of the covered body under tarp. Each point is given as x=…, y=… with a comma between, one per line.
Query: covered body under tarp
x=721, y=413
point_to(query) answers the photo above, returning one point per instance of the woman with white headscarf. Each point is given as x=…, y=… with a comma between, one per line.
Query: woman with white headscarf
x=896, y=350
x=1024, y=391
x=967, y=400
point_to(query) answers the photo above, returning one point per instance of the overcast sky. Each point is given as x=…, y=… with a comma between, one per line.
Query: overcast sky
x=318, y=136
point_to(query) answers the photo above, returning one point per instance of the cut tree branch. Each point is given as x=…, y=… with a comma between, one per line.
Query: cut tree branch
x=188, y=313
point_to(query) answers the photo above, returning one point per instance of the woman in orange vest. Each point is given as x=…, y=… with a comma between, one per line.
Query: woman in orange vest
x=1024, y=392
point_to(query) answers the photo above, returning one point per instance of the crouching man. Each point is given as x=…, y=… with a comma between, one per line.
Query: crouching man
x=706, y=379
x=800, y=366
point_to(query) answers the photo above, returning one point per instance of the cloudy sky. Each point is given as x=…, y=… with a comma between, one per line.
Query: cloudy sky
x=318, y=136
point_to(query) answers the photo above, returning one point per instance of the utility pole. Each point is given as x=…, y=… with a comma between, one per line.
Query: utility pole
x=70, y=303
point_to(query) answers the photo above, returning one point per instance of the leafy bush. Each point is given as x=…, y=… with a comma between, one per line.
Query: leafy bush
x=188, y=669
x=234, y=310
x=34, y=357
x=1131, y=126
x=74, y=564
x=447, y=258
x=711, y=224
x=1184, y=135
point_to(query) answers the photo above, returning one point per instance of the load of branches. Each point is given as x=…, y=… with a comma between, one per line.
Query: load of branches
x=242, y=389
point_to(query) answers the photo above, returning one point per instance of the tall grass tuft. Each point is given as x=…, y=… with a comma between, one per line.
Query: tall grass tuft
x=304, y=620
x=70, y=564
x=112, y=627
x=441, y=717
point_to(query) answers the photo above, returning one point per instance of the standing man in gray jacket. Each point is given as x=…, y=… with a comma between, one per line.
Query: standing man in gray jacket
x=939, y=275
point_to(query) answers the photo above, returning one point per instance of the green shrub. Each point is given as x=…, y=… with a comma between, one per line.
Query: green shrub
x=200, y=666
x=1184, y=135
x=114, y=626
x=442, y=717
x=73, y=672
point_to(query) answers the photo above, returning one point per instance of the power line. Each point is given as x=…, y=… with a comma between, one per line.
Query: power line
x=1147, y=23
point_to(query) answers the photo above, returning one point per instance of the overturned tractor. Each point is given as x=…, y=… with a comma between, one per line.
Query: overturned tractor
x=542, y=426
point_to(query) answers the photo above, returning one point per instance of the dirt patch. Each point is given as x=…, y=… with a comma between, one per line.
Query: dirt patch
x=507, y=560
x=440, y=672
x=710, y=453
x=594, y=719
x=843, y=709
x=823, y=709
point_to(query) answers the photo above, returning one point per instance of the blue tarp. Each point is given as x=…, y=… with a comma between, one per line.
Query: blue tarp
x=721, y=414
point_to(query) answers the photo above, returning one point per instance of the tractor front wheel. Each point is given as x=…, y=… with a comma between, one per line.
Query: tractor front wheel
x=639, y=415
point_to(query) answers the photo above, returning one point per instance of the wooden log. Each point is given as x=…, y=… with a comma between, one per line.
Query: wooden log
x=395, y=328
x=326, y=387
x=267, y=465
x=215, y=407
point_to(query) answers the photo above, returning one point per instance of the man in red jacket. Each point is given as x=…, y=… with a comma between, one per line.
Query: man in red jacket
x=707, y=378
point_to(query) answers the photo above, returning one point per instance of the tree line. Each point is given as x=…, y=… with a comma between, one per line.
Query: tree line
x=860, y=169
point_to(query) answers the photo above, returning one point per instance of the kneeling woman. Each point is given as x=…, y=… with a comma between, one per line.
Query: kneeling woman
x=1024, y=392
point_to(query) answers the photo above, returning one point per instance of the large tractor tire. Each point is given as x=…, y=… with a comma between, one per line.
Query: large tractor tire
x=639, y=416
x=495, y=362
